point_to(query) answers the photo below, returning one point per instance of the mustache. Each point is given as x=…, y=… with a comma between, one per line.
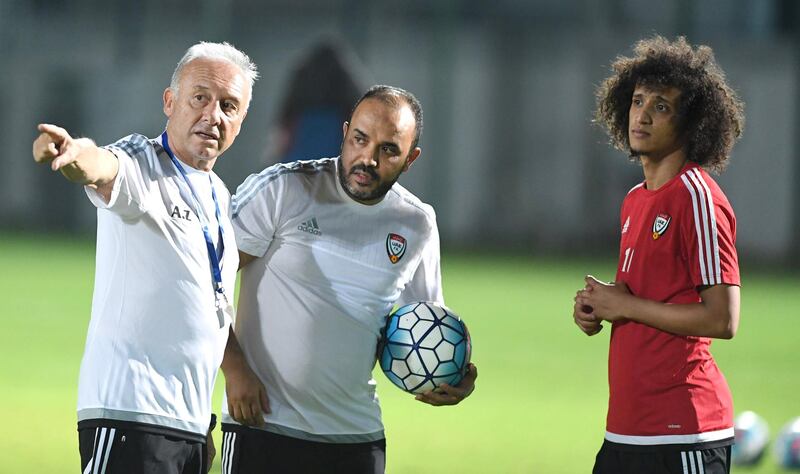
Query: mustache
x=369, y=171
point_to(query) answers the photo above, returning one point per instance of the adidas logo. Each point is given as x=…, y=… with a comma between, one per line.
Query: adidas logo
x=310, y=226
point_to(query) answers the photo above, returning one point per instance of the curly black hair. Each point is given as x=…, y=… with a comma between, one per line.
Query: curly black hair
x=711, y=115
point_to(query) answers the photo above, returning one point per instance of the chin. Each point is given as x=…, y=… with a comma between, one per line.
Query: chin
x=359, y=192
x=207, y=154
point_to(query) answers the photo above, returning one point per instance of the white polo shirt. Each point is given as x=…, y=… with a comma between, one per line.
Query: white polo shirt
x=155, y=343
x=312, y=305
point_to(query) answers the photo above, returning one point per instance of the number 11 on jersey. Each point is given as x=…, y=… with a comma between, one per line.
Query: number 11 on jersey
x=626, y=264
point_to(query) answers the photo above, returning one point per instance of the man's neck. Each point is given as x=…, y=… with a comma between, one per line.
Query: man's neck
x=658, y=171
x=198, y=164
x=185, y=157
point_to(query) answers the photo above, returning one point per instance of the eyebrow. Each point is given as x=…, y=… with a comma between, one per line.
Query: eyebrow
x=393, y=145
x=232, y=98
x=658, y=97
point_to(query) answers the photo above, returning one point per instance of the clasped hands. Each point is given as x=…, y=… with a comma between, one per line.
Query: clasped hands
x=598, y=302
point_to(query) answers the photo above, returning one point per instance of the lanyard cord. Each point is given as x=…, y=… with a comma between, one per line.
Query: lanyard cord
x=213, y=257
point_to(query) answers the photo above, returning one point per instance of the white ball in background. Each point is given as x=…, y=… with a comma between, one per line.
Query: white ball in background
x=787, y=445
x=750, y=439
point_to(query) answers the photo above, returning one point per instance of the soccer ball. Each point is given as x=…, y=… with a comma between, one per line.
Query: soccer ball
x=423, y=346
x=750, y=439
x=787, y=445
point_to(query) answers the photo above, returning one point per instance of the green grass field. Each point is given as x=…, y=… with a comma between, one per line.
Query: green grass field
x=540, y=402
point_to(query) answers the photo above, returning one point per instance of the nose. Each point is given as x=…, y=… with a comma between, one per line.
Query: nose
x=643, y=116
x=369, y=157
x=212, y=113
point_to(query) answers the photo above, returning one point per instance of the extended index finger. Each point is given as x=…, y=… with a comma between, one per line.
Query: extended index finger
x=47, y=145
x=57, y=133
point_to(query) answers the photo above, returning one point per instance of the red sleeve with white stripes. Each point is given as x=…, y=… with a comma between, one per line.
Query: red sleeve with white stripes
x=709, y=232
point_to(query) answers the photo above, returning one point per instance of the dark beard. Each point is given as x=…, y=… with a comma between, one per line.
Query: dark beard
x=375, y=195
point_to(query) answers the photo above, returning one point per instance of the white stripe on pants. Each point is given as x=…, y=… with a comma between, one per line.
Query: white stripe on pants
x=103, y=440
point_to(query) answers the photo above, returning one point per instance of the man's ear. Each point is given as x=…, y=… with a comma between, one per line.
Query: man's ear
x=168, y=102
x=345, y=126
x=411, y=157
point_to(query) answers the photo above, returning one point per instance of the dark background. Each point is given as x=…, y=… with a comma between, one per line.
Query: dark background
x=511, y=160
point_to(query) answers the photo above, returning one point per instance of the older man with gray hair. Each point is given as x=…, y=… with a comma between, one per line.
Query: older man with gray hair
x=165, y=271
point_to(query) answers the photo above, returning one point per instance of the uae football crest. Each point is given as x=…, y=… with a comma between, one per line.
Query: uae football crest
x=395, y=247
x=660, y=225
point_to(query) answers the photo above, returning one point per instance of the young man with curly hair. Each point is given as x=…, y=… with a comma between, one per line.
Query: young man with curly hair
x=677, y=284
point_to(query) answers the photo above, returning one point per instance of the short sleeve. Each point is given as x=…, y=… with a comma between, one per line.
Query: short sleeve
x=426, y=283
x=128, y=196
x=255, y=211
x=709, y=238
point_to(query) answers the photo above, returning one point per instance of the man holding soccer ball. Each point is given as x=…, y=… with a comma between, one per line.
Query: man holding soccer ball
x=327, y=247
x=677, y=282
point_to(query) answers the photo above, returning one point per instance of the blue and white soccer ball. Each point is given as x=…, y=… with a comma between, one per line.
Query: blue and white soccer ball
x=423, y=346
x=787, y=445
x=750, y=439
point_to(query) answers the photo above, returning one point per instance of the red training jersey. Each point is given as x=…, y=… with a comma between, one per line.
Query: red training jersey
x=664, y=388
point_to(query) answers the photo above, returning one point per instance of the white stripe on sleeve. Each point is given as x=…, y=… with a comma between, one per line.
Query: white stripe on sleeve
x=717, y=276
x=705, y=224
x=700, y=257
x=709, y=224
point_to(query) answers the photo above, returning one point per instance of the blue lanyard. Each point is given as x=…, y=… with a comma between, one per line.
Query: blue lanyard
x=213, y=258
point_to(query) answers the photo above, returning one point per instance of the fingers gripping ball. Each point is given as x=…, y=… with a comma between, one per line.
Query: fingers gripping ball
x=424, y=345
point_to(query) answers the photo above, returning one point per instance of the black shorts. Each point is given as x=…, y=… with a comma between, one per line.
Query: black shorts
x=126, y=449
x=614, y=458
x=247, y=450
